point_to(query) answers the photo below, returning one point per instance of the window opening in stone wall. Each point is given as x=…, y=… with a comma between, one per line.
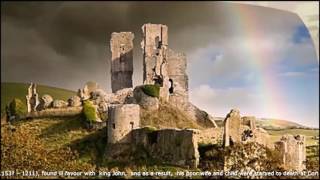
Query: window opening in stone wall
x=171, y=86
x=131, y=123
x=122, y=54
x=114, y=126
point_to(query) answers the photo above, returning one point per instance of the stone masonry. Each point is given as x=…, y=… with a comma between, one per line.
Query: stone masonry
x=249, y=121
x=172, y=146
x=154, y=46
x=45, y=102
x=122, y=119
x=178, y=78
x=32, y=98
x=121, y=45
x=293, y=152
x=239, y=129
x=232, y=125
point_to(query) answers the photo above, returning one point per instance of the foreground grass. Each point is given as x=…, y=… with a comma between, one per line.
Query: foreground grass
x=55, y=144
x=64, y=143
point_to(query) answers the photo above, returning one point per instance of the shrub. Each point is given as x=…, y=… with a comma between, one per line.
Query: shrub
x=89, y=111
x=17, y=108
x=151, y=90
x=150, y=129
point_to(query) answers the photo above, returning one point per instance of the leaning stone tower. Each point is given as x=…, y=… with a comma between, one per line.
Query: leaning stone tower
x=121, y=46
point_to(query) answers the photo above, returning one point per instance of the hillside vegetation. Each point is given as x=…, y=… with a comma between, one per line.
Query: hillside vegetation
x=64, y=143
x=168, y=117
x=54, y=144
x=277, y=124
x=9, y=91
x=269, y=124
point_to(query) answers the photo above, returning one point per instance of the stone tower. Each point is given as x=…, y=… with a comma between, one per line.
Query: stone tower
x=121, y=46
x=154, y=46
x=178, y=78
x=122, y=119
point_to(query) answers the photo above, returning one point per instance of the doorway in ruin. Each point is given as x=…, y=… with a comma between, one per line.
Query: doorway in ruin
x=171, y=86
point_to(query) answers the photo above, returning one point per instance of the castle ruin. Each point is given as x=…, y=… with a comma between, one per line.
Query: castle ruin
x=293, y=152
x=32, y=98
x=121, y=45
x=163, y=66
x=166, y=69
x=122, y=119
x=239, y=129
x=155, y=64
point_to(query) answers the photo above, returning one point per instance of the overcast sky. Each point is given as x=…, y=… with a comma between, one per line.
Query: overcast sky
x=257, y=59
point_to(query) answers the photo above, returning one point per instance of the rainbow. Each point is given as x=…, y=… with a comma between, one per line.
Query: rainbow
x=273, y=100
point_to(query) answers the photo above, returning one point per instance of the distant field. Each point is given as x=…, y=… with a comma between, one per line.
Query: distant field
x=269, y=124
x=277, y=124
x=19, y=90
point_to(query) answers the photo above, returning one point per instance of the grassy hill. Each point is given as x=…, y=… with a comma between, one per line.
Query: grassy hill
x=277, y=124
x=269, y=124
x=65, y=143
x=20, y=90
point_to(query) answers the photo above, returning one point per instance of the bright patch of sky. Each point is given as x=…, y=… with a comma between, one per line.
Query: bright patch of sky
x=228, y=80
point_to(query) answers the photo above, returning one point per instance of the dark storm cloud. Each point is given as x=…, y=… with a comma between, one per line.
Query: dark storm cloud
x=66, y=44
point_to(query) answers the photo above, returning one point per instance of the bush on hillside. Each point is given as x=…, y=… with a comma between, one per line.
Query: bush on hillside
x=89, y=111
x=17, y=108
x=151, y=90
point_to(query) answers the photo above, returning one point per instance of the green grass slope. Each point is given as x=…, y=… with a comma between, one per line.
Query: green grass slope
x=277, y=124
x=269, y=124
x=20, y=90
x=64, y=144
x=310, y=135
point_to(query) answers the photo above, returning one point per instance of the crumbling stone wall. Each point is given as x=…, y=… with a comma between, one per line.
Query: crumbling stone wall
x=122, y=119
x=74, y=101
x=243, y=130
x=89, y=87
x=45, y=102
x=154, y=46
x=61, y=112
x=59, y=103
x=178, y=79
x=293, y=152
x=173, y=146
x=210, y=136
x=249, y=121
x=121, y=45
x=232, y=125
x=32, y=98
